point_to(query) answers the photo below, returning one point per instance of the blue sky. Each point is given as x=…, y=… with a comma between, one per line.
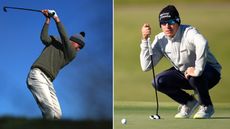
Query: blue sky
x=84, y=87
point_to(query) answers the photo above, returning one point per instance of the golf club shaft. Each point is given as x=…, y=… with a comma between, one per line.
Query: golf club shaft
x=153, y=72
x=154, y=79
x=27, y=9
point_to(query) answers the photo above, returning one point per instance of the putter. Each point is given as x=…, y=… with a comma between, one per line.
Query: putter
x=25, y=9
x=156, y=116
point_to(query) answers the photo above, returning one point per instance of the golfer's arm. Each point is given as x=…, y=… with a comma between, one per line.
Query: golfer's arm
x=62, y=33
x=67, y=47
x=201, y=49
x=201, y=54
x=47, y=20
x=145, y=58
x=45, y=38
x=56, y=19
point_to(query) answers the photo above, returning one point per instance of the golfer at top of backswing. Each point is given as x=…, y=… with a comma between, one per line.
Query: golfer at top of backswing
x=58, y=52
x=194, y=66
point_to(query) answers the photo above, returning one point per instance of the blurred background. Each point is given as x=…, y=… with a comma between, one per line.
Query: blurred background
x=210, y=17
x=84, y=87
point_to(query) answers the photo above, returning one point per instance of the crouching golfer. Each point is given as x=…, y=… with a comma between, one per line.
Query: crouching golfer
x=57, y=53
x=194, y=66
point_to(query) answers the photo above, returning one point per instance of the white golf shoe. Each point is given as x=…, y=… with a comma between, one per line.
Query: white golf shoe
x=185, y=111
x=204, y=112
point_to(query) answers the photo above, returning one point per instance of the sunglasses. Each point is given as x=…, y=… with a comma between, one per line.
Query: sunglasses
x=169, y=22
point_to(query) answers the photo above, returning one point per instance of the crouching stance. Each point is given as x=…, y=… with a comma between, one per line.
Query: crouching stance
x=194, y=66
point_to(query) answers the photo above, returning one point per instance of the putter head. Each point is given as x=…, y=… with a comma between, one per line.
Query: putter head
x=4, y=9
x=155, y=117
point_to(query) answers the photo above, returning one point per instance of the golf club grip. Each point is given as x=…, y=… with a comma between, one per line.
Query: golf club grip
x=149, y=46
x=8, y=7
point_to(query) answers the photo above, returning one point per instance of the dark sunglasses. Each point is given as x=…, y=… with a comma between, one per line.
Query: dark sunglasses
x=169, y=22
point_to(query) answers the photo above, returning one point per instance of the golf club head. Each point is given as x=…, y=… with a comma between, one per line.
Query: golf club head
x=155, y=117
x=4, y=9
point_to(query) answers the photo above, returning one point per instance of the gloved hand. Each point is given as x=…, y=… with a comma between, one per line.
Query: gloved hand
x=52, y=13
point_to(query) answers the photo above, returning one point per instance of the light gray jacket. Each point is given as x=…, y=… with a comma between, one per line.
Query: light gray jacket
x=188, y=48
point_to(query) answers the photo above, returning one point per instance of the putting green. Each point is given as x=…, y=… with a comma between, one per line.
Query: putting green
x=133, y=94
x=137, y=115
x=130, y=83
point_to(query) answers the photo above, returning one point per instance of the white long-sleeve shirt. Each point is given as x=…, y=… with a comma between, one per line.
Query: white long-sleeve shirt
x=188, y=48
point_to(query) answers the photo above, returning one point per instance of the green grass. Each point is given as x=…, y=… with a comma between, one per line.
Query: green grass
x=137, y=114
x=130, y=83
x=133, y=93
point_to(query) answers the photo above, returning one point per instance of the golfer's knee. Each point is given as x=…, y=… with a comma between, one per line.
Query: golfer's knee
x=58, y=115
x=193, y=81
x=48, y=115
x=158, y=83
x=51, y=115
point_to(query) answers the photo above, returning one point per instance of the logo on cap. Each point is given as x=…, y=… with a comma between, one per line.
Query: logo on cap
x=165, y=15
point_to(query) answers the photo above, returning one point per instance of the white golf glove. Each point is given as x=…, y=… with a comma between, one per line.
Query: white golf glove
x=52, y=13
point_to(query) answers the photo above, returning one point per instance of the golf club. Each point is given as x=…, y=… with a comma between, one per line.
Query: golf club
x=156, y=116
x=25, y=9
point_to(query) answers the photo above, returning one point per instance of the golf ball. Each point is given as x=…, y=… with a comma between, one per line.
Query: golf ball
x=123, y=121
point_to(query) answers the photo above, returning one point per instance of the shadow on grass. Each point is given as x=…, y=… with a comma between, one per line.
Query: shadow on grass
x=221, y=117
x=23, y=123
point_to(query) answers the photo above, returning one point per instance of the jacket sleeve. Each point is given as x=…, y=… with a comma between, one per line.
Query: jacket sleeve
x=45, y=38
x=201, y=50
x=68, y=49
x=145, y=57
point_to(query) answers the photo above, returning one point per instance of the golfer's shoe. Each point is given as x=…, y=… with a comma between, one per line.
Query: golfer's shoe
x=185, y=111
x=204, y=112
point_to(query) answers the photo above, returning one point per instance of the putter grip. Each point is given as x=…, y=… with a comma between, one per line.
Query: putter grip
x=149, y=46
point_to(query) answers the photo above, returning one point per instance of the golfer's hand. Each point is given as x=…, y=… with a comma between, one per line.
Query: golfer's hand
x=146, y=31
x=189, y=72
x=45, y=13
x=52, y=13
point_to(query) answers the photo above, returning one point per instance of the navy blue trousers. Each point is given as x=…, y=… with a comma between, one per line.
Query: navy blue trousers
x=173, y=83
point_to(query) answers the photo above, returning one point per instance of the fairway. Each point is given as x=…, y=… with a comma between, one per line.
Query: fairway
x=137, y=114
